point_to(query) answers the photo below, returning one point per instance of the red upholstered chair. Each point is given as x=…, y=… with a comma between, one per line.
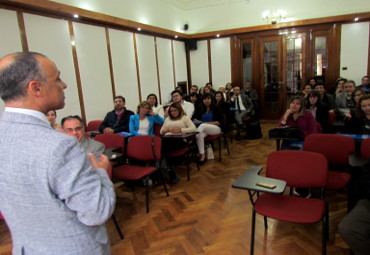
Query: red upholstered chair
x=336, y=149
x=145, y=148
x=319, y=128
x=1, y=216
x=300, y=169
x=93, y=125
x=332, y=118
x=111, y=141
x=157, y=129
x=365, y=148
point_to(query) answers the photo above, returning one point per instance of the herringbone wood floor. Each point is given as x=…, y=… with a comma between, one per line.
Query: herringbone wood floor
x=207, y=216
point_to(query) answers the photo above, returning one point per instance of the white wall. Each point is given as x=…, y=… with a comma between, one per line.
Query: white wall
x=220, y=62
x=12, y=41
x=124, y=67
x=199, y=64
x=51, y=37
x=147, y=65
x=235, y=14
x=165, y=68
x=93, y=63
x=354, y=50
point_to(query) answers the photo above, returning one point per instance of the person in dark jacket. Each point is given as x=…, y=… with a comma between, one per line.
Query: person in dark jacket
x=117, y=120
x=318, y=109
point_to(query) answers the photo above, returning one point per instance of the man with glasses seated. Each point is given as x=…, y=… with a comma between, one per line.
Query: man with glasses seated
x=73, y=126
x=117, y=120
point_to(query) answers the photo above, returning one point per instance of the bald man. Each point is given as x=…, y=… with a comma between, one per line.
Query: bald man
x=54, y=200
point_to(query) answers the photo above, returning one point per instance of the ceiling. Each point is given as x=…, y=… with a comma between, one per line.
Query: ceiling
x=186, y=5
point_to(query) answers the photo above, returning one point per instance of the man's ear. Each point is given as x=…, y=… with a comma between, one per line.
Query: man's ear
x=36, y=88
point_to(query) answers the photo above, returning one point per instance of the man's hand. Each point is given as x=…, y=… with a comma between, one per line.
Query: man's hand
x=108, y=131
x=102, y=163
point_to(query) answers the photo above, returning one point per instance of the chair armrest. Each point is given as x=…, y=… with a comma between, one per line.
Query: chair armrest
x=355, y=160
x=250, y=178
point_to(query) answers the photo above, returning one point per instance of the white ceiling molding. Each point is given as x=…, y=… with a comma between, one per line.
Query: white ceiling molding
x=186, y=5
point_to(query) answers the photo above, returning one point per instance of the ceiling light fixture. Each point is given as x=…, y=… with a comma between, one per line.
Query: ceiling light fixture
x=274, y=17
x=218, y=35
x=75, y=16
x=139, y=29
x=356, y=19
x=176, y=36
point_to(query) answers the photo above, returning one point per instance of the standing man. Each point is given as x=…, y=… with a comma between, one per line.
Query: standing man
x=73, y=126
x=53, y=199
x=117, y=120
x=243, y=106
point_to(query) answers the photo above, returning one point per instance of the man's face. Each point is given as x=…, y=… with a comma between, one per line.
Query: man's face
x=248, y=85
x=236, y=91
x=193, y=90
x=349, y=87
x=176, y=97
x=365, y=81
x=320, y=89
x=119, y=105
x=74, y=127
x=54, y=86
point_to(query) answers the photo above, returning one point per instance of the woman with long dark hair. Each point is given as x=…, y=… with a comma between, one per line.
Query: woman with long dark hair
x=359, y=123
x=211, y=119
x=318, y=109
x=152, y=99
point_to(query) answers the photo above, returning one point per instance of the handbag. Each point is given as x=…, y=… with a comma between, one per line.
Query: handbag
x=209, y=152
x=285, y=132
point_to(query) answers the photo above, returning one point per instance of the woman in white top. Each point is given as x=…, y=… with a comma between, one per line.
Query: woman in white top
x=156, y=108
x=176, y=123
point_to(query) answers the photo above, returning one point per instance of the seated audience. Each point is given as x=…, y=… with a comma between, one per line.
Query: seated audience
x=176, y=123
x=338, y=86
x=186, y=106
x=325, y=97
x=359, y=123
x=207, y=90
x=193, y=89
x=229, y=91
x=297, y=116
x=156, y=108
x=142, y=123
x=209, y=84
x=201, y=92
x=51, y=116
x=355, y=227
x=306, y=90
x=117, y=120
x=249, y=91
x=73, y=126
x=223, y=91
x=318, y=109
x=365, y=84
x=311, y=81
x=344, y=100
x=212, y=119
x=244, y=107
x=194, y=99
x=224, y=106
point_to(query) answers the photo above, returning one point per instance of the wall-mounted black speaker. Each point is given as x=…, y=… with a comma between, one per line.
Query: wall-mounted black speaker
x=186, y=27
x=191, y=44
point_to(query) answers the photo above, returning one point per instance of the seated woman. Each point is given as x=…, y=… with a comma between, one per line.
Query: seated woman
x=318, y=109
x=142, y=123
x=357, y=94
x=176, y=123
x=51, y=116
x=359, y=123
x=297, y=116
x=156, y=108
x=211, y=119
x=306, y=90
x=225, y=108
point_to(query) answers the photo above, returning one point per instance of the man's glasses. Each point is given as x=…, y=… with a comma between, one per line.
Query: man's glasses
x=76, y=129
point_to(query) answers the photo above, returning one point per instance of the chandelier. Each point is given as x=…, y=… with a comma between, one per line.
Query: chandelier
x=273, y=17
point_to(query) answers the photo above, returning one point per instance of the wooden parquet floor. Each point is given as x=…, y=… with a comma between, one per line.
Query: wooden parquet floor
x=207, y=216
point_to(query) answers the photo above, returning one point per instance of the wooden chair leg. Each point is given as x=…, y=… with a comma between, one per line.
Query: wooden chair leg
x=219, y=148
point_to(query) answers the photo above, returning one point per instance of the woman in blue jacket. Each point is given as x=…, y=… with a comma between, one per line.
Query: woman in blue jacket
x=142, y=123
